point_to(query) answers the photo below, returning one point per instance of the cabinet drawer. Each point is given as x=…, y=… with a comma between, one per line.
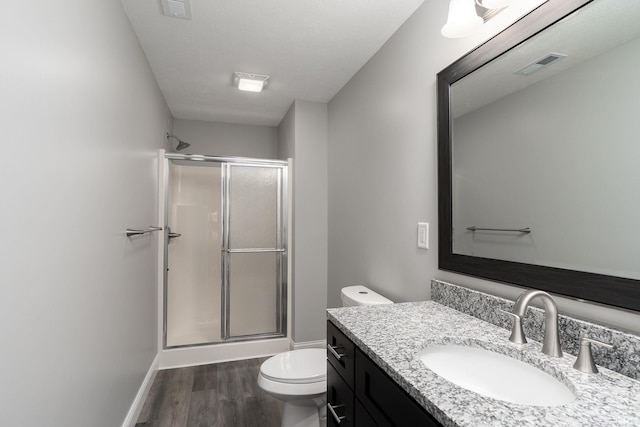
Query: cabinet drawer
x=385, y=401
x=340, y=409
x=342, y=356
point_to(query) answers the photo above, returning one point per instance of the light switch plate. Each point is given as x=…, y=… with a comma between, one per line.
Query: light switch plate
x=423, y=235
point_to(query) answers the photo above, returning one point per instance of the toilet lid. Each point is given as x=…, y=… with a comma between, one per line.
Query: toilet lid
x=297, y=366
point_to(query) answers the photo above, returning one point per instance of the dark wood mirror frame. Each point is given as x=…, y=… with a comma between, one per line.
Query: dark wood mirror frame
x=610, y=290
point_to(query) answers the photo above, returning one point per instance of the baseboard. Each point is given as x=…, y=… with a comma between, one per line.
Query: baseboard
x=308, y=344
x=143, y=392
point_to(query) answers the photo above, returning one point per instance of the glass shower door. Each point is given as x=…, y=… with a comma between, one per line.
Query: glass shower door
x=225, y=250
x=193, y=277
x=253, y=251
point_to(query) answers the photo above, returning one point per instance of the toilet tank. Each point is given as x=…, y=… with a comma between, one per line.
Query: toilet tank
x=361, y=295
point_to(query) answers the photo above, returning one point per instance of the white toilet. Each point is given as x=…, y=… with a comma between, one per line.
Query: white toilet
x=299, y=377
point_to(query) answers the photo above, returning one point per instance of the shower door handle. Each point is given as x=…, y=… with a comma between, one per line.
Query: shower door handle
x=172, y=235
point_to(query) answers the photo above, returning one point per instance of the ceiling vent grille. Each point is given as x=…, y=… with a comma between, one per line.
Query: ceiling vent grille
x=540, y=64
x=176, y=8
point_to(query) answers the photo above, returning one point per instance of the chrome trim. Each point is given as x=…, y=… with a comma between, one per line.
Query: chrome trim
x=284, y=256
x=280, y=250
x=225, y=325
x=230, y=159
x=165, y=271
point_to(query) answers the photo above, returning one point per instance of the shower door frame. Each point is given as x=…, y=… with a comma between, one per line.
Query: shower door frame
x=281, y=247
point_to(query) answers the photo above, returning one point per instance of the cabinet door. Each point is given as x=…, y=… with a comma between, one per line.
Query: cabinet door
x=340, y=410
x=363, y=419
x=341, y=353
x=385, y=401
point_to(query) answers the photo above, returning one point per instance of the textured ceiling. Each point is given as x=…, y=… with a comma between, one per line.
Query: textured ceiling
x=309, y=48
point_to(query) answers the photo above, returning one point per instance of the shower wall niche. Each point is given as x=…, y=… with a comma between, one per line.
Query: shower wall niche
x=225, y=250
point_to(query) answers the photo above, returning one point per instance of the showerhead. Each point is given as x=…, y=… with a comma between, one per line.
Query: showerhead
x=181, y=144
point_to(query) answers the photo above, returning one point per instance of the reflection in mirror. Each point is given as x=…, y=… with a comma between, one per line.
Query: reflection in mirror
x=544, y=138
x=560, y=152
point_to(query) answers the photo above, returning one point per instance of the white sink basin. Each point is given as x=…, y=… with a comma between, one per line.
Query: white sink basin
x=495, y=375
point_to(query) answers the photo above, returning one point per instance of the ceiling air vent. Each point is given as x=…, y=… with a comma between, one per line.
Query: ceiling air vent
x=176, y=8
x=540, y=64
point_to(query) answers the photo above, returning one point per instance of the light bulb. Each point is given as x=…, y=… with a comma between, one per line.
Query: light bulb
x=462, y=20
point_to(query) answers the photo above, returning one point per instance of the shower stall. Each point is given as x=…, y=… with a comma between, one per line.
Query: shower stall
x=225, y=250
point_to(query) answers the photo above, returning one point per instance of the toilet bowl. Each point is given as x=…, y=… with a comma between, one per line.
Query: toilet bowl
x=299, y=377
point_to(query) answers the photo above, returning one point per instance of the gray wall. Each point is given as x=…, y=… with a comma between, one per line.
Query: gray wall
x=570, y=178
x=303, y=131
x=227, y=139
x=286, y=148
x=382, y=170
x=286, y=134
x=83, y=120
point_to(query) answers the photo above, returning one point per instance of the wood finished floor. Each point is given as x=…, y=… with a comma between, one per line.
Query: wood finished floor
x=219, y=395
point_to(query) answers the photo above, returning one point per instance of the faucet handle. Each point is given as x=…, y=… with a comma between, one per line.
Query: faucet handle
x=584, y=362
x=517, y=334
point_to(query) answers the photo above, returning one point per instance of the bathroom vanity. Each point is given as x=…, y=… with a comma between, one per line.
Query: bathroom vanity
x=359, y=393
x=376, y=378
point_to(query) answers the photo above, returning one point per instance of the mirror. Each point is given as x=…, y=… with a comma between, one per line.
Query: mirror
x=538, y=151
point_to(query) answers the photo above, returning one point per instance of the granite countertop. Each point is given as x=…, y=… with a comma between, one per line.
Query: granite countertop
x=393, y=335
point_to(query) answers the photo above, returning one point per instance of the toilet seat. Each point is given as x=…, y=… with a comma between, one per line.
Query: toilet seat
x=301, y=373
x=296, y=366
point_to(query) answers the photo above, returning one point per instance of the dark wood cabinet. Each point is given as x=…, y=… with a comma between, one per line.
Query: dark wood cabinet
x=340, y=400
x=361, y=394
x=363, y=419
x=341, y=353
x=387, y=403
x=340, y=378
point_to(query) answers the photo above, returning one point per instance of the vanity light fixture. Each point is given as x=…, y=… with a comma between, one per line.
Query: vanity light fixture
x=249, y=82
x=462, y=20
x=468, y=16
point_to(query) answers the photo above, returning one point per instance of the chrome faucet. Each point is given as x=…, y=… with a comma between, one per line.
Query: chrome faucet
x=551, y=341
